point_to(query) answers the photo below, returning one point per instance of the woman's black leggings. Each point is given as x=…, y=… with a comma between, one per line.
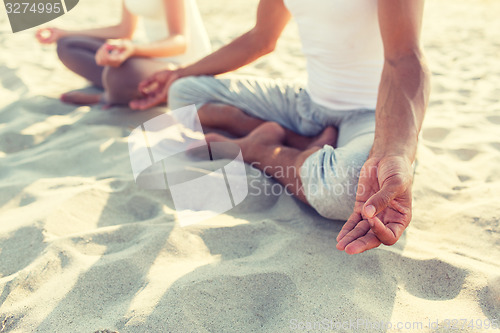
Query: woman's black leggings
x=120, y=83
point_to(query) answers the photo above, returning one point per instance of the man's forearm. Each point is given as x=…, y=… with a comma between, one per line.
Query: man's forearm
x=402, y=101
x=272, y=17
x=240, y=52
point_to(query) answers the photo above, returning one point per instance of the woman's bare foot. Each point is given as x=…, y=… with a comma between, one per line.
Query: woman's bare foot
x=81, y=98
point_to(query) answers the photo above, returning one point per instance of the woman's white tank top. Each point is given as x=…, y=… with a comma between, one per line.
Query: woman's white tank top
x=153, y=16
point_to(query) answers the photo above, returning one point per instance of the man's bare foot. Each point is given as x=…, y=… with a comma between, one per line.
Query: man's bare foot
x=228, y=118
x=327, y=137
x=301, y=142
x=268, y=133
x=81, y=98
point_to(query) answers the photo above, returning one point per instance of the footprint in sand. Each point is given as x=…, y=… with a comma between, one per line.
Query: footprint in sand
x=26, y=199
x=118, y=185
x=14, y=142
x=495, y=145
x=8, y=322
x=494, y=119
x=489, y=298
x=464, y=178
x=235, y=297
x=142, y=208
x=47, y=106
x=432, y=279
x=10, y=79
x=239, y=241
x=435, y=134
x=20, y=249
x=465, y=154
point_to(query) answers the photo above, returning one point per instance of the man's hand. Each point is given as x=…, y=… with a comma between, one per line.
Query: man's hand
x=383, y=205
x=154, y=90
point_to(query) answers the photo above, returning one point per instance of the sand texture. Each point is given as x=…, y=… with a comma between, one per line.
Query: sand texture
x=83, y=248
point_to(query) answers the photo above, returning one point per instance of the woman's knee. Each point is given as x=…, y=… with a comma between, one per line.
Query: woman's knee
x=63, y=47
x=119, y=87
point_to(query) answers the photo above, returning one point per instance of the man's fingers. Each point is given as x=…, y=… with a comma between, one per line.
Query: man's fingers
x=380, y=200
x=140, y=104
x=146, y=85
x=358, y=231
x=135, y=104
x=362, y=244
x=377, y=203
x=155, y=100
x=146, y=102
x=149, y=99
x=387, y=234
x=353, y=220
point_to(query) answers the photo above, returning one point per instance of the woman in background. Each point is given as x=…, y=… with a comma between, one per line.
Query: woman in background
x=175, y=35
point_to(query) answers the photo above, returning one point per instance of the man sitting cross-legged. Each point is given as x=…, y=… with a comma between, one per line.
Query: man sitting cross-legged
x=351, y=135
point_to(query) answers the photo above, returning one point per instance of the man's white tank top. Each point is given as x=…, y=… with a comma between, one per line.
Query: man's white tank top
x=342, y=44
x=153, y=15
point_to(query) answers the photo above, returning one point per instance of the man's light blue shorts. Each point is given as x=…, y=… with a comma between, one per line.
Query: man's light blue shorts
x=330, y=175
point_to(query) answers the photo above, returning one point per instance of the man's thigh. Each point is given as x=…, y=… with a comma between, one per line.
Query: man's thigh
x=266, y=99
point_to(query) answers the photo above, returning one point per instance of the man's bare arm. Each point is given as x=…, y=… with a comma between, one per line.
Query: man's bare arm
x=383, y=207
x=405, y=83
x=272, y=17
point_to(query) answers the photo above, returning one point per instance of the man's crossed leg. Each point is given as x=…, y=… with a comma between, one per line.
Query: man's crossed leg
x=279, y=128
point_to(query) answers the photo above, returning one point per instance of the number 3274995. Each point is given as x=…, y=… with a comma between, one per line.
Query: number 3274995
x=33, y=8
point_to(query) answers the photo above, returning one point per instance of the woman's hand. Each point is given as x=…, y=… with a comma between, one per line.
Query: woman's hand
x=114, y=54
x=49, y=35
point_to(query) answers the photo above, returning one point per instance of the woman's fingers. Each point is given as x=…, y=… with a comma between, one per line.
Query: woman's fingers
x=104, y=57
x=108, y=55
x=99, y=55
x=116, y=58
x=45, y=35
